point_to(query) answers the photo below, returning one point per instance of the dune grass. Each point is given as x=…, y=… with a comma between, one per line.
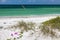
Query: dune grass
x=48, y=27
x=25, y=26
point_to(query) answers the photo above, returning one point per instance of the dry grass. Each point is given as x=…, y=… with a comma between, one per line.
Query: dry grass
x=47, y=27
x=25, y=26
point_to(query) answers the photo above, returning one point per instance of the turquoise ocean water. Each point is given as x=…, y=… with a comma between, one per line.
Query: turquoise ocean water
x=29, y=11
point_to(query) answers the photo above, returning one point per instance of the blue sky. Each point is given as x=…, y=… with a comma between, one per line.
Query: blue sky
x=29, y=1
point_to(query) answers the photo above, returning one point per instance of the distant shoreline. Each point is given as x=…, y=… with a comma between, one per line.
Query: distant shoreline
x=29, y=16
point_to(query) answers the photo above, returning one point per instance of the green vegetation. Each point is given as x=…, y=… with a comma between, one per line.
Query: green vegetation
x=8, y=39
x=48, y=27
x=25, y=26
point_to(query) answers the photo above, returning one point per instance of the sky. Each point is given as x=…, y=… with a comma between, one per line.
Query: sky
x=29, y=1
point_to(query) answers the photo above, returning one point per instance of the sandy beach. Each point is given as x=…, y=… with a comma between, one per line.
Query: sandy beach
x=7, y=22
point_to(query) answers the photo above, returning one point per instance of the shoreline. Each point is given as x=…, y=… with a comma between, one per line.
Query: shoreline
x=31, y=16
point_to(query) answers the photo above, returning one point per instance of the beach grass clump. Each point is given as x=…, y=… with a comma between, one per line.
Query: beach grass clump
x=8, y=39
x=25, y=26
x=48, y=27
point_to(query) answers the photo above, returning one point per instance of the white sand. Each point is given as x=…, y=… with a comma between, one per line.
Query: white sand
x=4, y=34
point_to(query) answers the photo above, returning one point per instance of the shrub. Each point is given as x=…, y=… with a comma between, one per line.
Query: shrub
x=48, y=27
